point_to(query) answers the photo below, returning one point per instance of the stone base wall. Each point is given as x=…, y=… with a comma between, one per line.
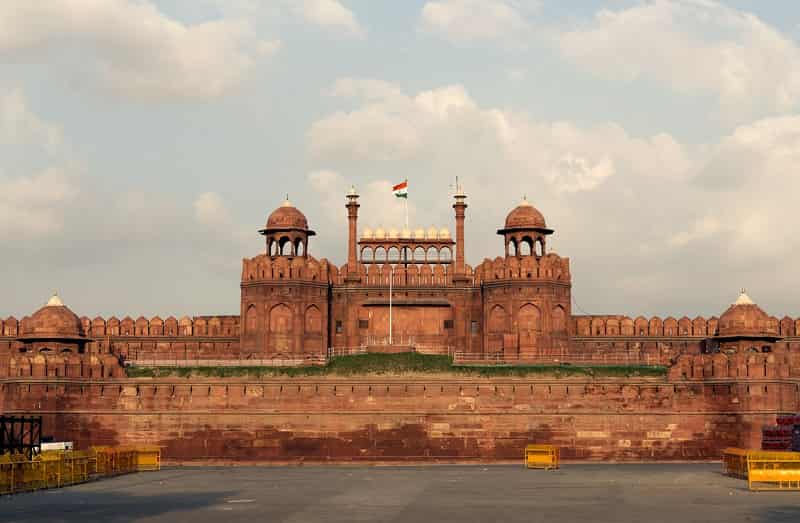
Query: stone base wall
x=414, y=419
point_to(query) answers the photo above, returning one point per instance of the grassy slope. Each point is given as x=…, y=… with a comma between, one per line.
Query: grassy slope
x=399, y=364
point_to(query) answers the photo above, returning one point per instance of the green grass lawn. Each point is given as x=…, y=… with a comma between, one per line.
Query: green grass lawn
x=399, y=364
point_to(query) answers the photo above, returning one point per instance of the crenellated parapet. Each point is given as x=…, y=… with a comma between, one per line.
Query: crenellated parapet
x=548, y=267
x=280, y=268
x=598, y=326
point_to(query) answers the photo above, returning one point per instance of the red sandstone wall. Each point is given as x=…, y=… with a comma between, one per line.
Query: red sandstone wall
x=395, y=419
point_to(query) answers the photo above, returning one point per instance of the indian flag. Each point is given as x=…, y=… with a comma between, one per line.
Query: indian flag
x=401, y=190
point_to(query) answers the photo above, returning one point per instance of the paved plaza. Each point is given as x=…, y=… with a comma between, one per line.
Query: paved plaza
x=576, y=493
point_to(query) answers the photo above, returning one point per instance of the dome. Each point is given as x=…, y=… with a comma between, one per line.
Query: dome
x=419, y=234
x=380, y=233
x=432, y=233
x=405, y=233
x=393, y=233
x=444, y=234
x=525, y=216
x=287, y=216
x=745, y=319
x=367, y=234
x=54, y=320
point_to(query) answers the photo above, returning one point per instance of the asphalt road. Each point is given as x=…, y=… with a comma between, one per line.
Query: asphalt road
x=576, y=493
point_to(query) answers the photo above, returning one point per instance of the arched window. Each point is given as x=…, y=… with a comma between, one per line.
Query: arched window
x=367, y=254
x=298, y=247
x=419, y=255
x=432, y=255
x=539, y=248
x=512, y=247
x=445, y=254
x=273, y=248
x=393, y=254
x=525, y=246
x=380, y=254
x=285, y=245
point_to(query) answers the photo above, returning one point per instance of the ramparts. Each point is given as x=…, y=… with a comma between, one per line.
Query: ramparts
x=407, y=418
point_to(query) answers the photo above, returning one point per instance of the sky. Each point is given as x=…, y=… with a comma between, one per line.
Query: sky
x=144, y=143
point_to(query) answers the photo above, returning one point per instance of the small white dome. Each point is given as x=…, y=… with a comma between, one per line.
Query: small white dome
x=368, y=234
x=405, y=233
x=380, y=233
x=444, y=234
x=393, y=233
x=744, y=299
x=432, y=233
x=55, y=301
x=419, y=234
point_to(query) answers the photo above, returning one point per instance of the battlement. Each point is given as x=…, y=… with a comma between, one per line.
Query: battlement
x=211, y=326
x=548, y=267
x=598, y=326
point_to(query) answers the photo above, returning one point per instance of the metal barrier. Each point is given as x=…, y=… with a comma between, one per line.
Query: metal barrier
x=541, y=457
x=763, y=470
x=774, y=473
x=53, y=469
x=734, y=462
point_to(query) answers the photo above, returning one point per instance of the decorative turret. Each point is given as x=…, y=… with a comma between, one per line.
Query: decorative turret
x=287, y=231
x=745, y=319
x=745, y=327
x=525, y=231
x=53, y=328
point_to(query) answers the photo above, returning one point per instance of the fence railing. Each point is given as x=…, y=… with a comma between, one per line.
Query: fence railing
x=54, y=469
x=161, y=360
x=612, y=359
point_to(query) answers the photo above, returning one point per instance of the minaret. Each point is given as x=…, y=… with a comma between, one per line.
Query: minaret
x=460, y=206
x=352, y=221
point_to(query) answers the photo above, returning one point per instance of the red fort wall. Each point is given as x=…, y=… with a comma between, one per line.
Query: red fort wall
x=394, y=419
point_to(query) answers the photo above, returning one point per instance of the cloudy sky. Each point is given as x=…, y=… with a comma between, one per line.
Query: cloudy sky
x=143, y=143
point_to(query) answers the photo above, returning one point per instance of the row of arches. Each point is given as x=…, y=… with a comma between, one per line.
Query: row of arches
x=396, y=254
x=280, y=320
x=286, y=246
x=525, y=246
x=529, y=318
x=55, y=365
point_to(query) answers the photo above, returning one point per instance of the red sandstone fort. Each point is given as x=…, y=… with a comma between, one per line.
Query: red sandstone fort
x=406, y=291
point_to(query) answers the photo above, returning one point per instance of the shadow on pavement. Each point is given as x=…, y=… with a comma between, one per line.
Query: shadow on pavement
x=62, y=506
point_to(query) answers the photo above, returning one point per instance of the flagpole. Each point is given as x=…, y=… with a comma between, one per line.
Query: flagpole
x=406, y=203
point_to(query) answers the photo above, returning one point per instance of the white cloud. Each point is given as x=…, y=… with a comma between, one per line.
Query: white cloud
x=473, y=20
x=692, y=46
x=137, y=50
x=690, y=218
x=210, y=210
x=384, y=209
x=701, y=229
x=443, y=123
x=330, y=14
x=32, y=206
x=18, y=125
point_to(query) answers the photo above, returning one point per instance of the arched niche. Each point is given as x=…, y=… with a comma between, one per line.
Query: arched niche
x=313, y=320
x=498, y=319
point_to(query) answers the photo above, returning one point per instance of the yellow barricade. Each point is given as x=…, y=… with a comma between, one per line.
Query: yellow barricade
x=52, y=469
x=764, y=469
x=735, y=462
x=148, y=458
x=777, y=473
x=541, y=457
